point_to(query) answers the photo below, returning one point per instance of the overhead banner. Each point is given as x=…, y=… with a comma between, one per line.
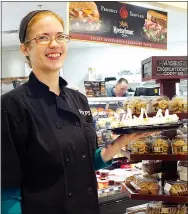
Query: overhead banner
x=119, y=23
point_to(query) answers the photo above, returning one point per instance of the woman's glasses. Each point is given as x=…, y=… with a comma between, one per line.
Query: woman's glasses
x=44, y=39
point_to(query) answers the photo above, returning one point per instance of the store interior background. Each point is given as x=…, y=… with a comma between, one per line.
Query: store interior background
x=107, y=59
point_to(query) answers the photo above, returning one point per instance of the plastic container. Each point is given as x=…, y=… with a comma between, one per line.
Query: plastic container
x=160, y=145
x=145, y=185
x=161, y=102
x=178, y=104
x=137, y=209
x=104, y=173
x=180, y=145
x=154, y=207
x=102, y=184
x=176, y=188
x=162, y=208
x=141, y=146
x=182, y=168
x=173, y=209
x=111, y=179
x=151, y=166
x=129, y=179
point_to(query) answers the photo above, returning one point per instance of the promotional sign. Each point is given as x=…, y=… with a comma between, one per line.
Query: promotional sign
x=119, y=23
x=171, y=67
x=164, y=67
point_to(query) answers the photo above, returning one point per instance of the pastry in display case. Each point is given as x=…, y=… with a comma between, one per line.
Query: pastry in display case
x=136, y=104
x=179, y=145
x=178, y=104
x=137, y=209
x=176, y=188
x=160, y=145
x=145, y=186
x=163, y=208
x=162, y=103
x=140, y=146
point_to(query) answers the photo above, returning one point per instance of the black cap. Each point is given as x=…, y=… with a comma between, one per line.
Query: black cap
x=24, y=24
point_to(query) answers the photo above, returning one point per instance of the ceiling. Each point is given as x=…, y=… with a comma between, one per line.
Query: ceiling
x=182, y=5
x=13, y=12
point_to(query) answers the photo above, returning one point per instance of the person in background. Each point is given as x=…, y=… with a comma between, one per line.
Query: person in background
x=49, y=144
x=119, y=90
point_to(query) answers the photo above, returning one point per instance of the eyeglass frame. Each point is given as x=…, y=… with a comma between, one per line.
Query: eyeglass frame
x=51, y=37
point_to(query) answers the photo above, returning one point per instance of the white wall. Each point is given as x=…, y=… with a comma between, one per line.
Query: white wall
x=110, y=60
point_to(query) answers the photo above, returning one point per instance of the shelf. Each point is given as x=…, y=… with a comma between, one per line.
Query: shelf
x=8, y=80
x=170, y=157
x=165, y=198
x=98, y=100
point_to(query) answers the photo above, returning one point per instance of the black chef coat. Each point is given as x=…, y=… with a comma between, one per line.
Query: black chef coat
x=54, y=140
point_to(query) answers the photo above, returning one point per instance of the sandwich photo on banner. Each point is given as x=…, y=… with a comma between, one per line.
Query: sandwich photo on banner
x=155, y=27
x=84, y=16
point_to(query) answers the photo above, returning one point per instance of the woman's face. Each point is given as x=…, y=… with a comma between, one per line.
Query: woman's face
x=46, y=57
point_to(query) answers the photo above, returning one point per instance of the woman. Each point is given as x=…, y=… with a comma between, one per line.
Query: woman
x=45, y=132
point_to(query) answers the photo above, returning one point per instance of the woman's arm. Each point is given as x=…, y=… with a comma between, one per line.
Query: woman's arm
x=104, y=156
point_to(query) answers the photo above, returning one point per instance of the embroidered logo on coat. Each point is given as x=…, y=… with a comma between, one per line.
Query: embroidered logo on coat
x=85, y=113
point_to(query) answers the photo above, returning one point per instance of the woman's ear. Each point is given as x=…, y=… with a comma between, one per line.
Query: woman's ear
x=24, y=49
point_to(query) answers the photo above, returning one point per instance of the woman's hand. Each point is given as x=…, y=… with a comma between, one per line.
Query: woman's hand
x=122, y=141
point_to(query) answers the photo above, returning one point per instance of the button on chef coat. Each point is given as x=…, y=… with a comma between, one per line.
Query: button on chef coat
x=51, y=141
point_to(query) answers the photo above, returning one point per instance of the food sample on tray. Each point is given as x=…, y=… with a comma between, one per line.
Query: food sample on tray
x=180, y=145
x=182, y=168
x=140, y=146
x=129, y=120
x=160, y=145
x=162, y=103
x=163, y=208
x=178, y=104
x=176, y=188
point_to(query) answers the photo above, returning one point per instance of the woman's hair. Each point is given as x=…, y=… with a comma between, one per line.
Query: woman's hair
x=29, y=20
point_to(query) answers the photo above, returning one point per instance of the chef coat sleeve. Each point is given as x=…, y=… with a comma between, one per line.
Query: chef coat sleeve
x=10, y=163
x=99, y=163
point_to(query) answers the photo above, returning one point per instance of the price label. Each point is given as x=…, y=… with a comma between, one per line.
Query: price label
x=167, y=188
x=164, y=211
x=135, y=149
x=158, y=149
x=184, y=148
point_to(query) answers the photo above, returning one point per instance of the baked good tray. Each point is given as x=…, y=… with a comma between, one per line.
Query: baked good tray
x=147, y=128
